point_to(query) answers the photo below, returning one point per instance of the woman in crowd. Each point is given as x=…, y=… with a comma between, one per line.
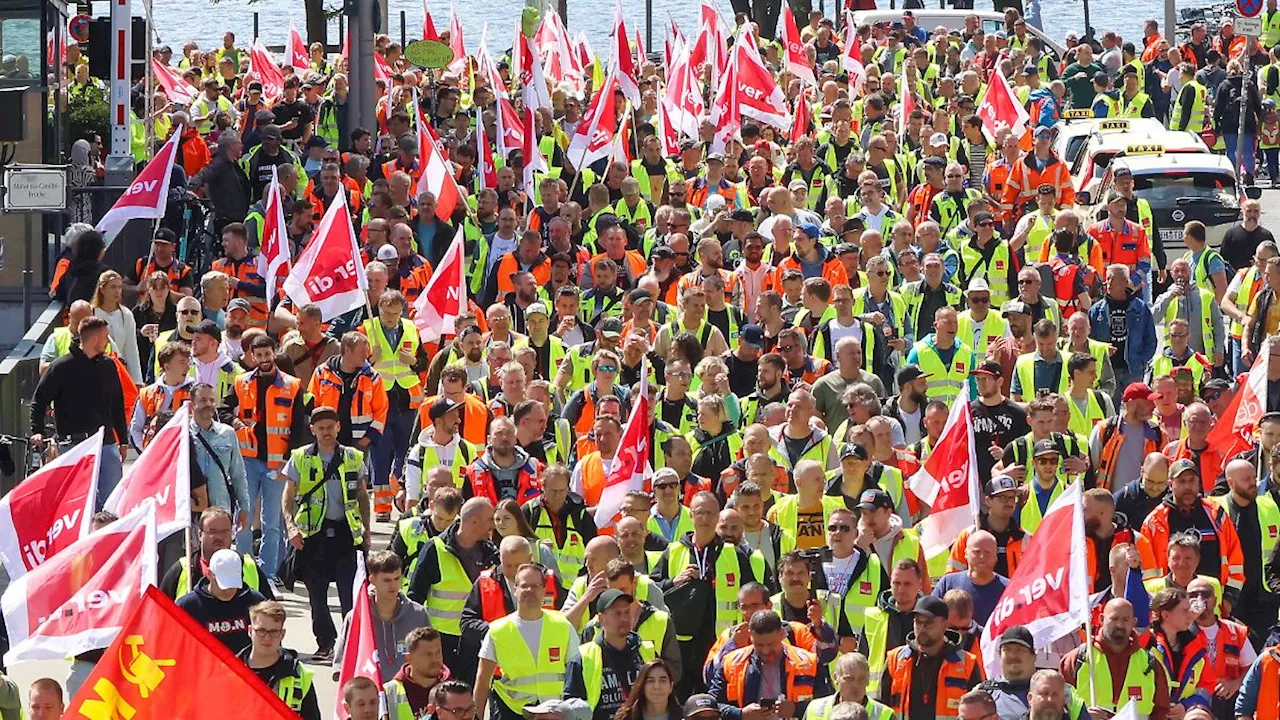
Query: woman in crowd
x=121, y=326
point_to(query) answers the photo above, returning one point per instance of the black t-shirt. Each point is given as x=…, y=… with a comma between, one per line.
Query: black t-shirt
x=1118, y=311
x=1239, y=244
x=996, y=425
x=673, y=412
x=286, y=112
x=742, y=374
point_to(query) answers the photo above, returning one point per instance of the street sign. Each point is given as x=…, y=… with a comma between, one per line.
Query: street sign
x=35, y=188
x=78, y=28
x=1249, y=26
x=1248, y=8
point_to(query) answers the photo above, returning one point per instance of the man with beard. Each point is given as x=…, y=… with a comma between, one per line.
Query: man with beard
x=997, y=420
x=208, y=363
x=888, y=623
x=518, y=300
x=999, y=518
x=505, y=470
x=665, y=270
x=1012, y=690
x=1257, y=521
x=471, y=345
x=907, y=407
x=743, y=361
x=1104, y=529
x=1140, y=496
x=1230, y=651
x=1115, y=648
x=910, y=686
x=308, y=348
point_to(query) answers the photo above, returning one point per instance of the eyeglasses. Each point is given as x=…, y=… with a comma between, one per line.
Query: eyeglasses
x=787, y=348
x=266, y=632
x=881, y=273
x=465, y=712
x=839, y=527
x=1180, y=336
x=1200, y=594
x=607, y=369
x=1024, y=281
x=1213, y=395
x=1047, y=460
x=988, y=224
x=664, y=485
x=681, y=375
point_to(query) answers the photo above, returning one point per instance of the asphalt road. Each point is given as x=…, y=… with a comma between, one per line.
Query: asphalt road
x=298, y=627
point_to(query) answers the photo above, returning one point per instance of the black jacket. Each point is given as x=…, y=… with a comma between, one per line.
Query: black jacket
x=226, y=620
x=583, y=521
x=665, y=575
x=85, y=394
x=428, y=571
x=286, y=666
x=80, y=281
x=226, y=186
x=619, y=668
x=1226, y=107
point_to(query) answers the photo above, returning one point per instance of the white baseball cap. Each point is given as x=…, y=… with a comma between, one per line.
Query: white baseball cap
x=228, y=573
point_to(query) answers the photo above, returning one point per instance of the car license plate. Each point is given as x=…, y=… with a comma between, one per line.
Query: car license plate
x=1170, y=236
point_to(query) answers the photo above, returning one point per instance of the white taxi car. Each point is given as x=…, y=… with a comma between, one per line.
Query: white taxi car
x=1101, y=148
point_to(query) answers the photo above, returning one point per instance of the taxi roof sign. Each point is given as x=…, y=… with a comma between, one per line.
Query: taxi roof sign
x=1120, y=125
x=1144, y=149
x=1078, y=114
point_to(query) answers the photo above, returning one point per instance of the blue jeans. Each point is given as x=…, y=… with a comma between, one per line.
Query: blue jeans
x=391, y=447
x=264, y=484
x=110, y=470
x=1246, y=143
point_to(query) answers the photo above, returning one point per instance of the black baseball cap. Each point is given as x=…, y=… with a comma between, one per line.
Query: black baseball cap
x=208, y=327
x=989, y=367
x=853, y=450
x=875, y=499
x=640, y=295
x=664, y=252
x=443, y=406
x=930, y=606
x=1001, y=484
x=1045, y=447
x=741, y=215
x=701, y=705
x=752, y=335
x=853, y=224
x=1018, y=635
x=910, y=373
x=609, y=597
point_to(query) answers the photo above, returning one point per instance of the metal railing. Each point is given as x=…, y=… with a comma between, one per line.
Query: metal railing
x=19, y=373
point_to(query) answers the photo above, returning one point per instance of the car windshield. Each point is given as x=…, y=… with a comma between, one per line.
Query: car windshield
x=1167, y=188
x=1074, y=145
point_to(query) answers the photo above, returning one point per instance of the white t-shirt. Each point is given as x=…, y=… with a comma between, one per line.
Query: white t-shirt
x=1247, y=653
x=531, y=631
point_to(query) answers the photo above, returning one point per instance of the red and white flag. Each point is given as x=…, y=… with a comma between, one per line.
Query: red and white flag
x=1000, y=110
x=486, y=173
x=1049, y=592
x=51, y=509
x=79, y=600
x=147, y=195
x=640, y=55
x=667, y=132
x=631, y=464
x=328, y=272
x=1235, y=430
x=748, y=89
x=445, y=296
x=437, y=176
x=381, y=70
x=455, y=42
x=592, y=140
x=684, y=97
x=299, y=59
x=275, y=254
x=794, y=59
x=179, y=90
x=510, y=128
x=620, y=148
x=360, y=648
x=623, y=63
x=428, y=25
x=529, y=67
x=554, y=49
x=534, y=163
x=161, y=476
x=907, y=104
x=948, y=482
x=803, y=116
x=263, y=68
x=851, y=58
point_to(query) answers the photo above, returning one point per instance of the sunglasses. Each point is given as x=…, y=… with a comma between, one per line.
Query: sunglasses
x=681, y=375
x=787, y=348
x=189, y=312
x=979, y=301
x=986, y=224
x=1025, y=281
x=881, y=273
x=664, y=485
x=839, y=528
x=607, y=369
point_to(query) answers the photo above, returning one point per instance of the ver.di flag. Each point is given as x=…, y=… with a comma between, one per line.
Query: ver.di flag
x=328, y=273
x=948, y=482
x=79, y=600
x=1000, y=110
x=445, y=296
x=161, y=476
x=299, y=58
x=275, y=254
x=51, y=509
x=631, y=463
x=360, y=647
x=1240, y=420
x=146, y=196
x=163, y=665
x=1049, y=592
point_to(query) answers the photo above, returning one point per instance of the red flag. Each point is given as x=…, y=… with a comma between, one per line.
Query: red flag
x=534, y=163
x=437, y=177
x=623, y=63
x=275, y=239
x=666, y=130
x=381, y=70
x=1234, y=433
x=147, y=195
x=360, y=651
x=455, y=42
x=328, y=273
x=620, y=148
x=51, y=509
x=263, y=68
x=510, y=128
x=631, y=464
x=999, y=109
x=592, y=139
x=803, y=116
x=1049, y=592
x=684, y=96
x=486, y=173
x=640, y=56
x=948, y=482
x=179, y=90
x=158, y=657
x=908, y=104
x=747, y=88
x=529, y=65
x=445, y=296
x=851, y=58
x=428, y=25
x=299, y=59
x=794, y=59
x=79, y=600
x=161, y=476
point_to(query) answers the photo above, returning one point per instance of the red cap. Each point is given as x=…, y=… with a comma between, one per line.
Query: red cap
x=1139, y=391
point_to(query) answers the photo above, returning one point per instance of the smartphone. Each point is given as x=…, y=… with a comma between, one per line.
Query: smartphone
x=768, y=703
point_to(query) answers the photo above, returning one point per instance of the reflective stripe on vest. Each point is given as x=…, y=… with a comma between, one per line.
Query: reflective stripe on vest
x=1024, y=368
x=727, y=580
x=293, y=689
x=447, y=598
x=312, y=485
x=393, y=371
x=593, y=666
x=945, y=383
x=526, y=679
x=1205, y=320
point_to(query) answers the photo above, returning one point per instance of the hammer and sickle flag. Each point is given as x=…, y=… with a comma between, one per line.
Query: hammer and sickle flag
x=151, y=670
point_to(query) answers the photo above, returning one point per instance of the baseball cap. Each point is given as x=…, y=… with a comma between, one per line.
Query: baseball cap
x=228, y=573
x=388, y=252
x=609, y=597
x=752, y=336
x=611, y=326
x=1184, y=465
x=239, y=304
x=664, y=252
x=930, y=606
x=1028, y=69
x=164, y=236
x=637, y=295
x=208, y=327
x=742, y=215
x=1001, y=484
x=1014, y=307
x=983, y=216
x=910, y=373
x=324, y=412
x=563, y=709
x=853, y=224
x=715, y=157
x=810, y=230
x=317, y=142
x=845, y=248
x=1216, y=385
x=875, y=499
x=989, y=367
x=255, y=85
x=1139, y=391
x=853, y=450
x=537, y=309
x=934, y=161
x=1045, y=447
x=1043, y=132
x=443, y=406
x=1018, y=635
x=1121, y=172
x=798, y=184
x=937, y=139
x=701, y=705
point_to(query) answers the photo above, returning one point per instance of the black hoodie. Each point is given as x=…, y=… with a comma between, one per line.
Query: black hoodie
x=619, y=669
x=475, y=561
x=226, y=620
x=286, y=666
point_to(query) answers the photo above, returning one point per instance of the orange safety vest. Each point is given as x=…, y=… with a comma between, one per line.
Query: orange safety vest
x=366, y=411
x=1210, y=461
x=633, y=259
x=528, y=482
x=921, y=199
x=152, y=396
x=832, y=270
x=1230, y=640
x=953, y=680
x=318, y=205
x=1127, y=246
x=1268, y=706
x=1231, y=558
x=997, y=178
x=509, y=265
x=1112, y=439
x=475, y=418
x=1150, y=570
x=281, y=395
x=813, y=369
x=413, y=277
x=799, y=666
x=177, y=271
x=246, y=270
x=492, y=604
x=959, y=561
x=1064, y=283
x=593, y=478
x=1023, y=182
